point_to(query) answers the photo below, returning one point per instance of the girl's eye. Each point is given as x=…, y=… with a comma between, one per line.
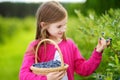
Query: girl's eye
x=59, y=26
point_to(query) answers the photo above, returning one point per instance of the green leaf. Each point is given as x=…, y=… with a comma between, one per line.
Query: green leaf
x=116, y=60
x=111, y=64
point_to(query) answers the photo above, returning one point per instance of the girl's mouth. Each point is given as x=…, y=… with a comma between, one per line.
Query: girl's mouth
x=60, y=33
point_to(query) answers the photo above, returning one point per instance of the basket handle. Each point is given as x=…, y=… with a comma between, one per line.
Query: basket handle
x=62, y=63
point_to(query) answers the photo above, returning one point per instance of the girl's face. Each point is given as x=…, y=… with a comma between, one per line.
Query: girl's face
x=57, y=29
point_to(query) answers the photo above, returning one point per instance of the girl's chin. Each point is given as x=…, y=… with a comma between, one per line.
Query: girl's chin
x=60, y=36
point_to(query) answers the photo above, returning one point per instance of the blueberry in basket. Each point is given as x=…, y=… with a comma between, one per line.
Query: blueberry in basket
x=49, y=64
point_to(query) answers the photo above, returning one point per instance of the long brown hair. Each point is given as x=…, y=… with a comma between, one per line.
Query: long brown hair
x=49, y=12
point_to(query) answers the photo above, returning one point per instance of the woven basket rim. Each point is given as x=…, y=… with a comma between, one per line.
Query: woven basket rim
x=49, y=69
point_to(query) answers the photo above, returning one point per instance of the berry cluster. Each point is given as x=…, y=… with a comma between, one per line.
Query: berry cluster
x=49, y=64
x=108, y=39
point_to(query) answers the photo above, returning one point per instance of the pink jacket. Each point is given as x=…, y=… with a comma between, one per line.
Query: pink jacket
x=71, y=56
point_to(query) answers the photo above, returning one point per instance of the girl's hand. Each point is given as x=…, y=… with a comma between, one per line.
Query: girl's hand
x=102, y=44
x=55, y=75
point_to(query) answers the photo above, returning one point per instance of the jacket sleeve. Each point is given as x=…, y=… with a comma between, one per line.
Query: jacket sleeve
x=86, y=67
x=25, y=72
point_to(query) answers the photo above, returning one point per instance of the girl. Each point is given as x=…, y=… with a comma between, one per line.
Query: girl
x=51, y=24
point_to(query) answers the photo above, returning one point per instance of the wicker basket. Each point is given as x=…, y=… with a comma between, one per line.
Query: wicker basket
x=44, y=71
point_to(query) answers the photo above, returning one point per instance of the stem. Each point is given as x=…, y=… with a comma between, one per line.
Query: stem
x=113, y=50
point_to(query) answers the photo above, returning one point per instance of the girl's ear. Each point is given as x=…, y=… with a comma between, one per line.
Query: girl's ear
x=42, y=24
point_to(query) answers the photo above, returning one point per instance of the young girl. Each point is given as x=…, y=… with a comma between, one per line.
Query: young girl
x=51, y=24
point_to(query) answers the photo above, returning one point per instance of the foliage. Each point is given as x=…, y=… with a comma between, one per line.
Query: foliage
x=15, y=34
x=11, y=26
x=99, y=6
x=12, y=53
x=108, y=26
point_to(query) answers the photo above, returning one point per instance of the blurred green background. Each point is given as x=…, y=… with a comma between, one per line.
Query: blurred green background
x=88, y=21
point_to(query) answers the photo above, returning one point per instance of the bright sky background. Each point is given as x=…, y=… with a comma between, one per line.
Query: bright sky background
x=35, y=1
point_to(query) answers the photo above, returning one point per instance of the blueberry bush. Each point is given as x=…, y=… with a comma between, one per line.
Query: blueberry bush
x=108, y=26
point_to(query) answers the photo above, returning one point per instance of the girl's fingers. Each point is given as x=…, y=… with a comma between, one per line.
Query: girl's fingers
x=61, y=75
x=102, y=44
x=58, y=75
x=105, y=42
x=99, y=41
x=108, y=42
